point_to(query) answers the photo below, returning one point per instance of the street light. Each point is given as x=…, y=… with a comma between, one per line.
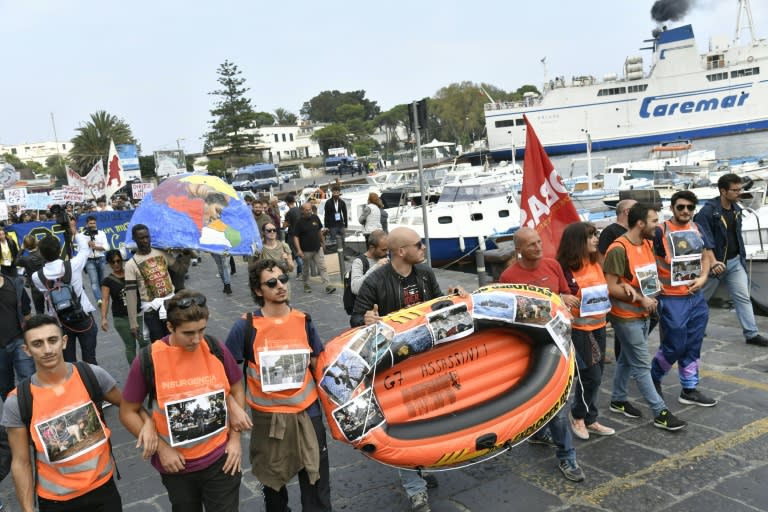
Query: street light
x=178, y=142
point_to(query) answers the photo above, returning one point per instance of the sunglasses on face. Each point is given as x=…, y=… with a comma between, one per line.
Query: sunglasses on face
x=271, y=283
x=689, y=207
x=270, y=230
x=115, y=262
x=417, y=245
x=185, y=302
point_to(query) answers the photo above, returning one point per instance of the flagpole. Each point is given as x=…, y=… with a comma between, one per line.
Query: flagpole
x=415, y=115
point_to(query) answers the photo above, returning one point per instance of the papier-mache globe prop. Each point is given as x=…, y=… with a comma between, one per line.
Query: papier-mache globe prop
x=198, y=212
x=451, y=380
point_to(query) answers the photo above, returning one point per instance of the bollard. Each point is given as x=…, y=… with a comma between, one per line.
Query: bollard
x=482, y=277
x=340, y=254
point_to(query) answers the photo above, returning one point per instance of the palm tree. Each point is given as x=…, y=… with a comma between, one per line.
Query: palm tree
x=284, y=118
x=92, y=140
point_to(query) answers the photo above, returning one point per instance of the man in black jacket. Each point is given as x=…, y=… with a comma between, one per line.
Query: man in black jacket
x=720, y=220
x=402, y=282
x=336, y=219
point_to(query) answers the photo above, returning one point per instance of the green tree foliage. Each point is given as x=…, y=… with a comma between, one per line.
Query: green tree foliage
x=232, y=113
x=323, y=108
x=264, y=119
x=147, y=166
x=56, y=166
x=92, y=140
x=332, y=136
x=13, y=160
x=285, y=118
x=35, y=166
x=216, y=167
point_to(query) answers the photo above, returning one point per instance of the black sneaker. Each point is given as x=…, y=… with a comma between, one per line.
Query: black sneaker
x=571, y=471
x=668, y=421
x=626, y=409
x=543, y=438
x=760, y=341
x=431, y=481
x=696, y=397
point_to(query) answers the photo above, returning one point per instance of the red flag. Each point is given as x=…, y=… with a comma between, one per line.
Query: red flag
x=545, y=204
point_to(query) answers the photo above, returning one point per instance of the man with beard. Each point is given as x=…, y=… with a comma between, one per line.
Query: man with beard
x=630, y=270
x=683, y=311
x=308, y=240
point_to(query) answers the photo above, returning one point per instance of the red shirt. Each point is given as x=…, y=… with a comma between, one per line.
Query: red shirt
x=548, y=274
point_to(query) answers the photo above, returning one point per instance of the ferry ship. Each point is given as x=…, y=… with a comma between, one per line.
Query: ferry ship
x=684, y=95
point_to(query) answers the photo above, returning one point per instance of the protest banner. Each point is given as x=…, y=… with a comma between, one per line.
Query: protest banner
x=16, y=196
x=139, y=190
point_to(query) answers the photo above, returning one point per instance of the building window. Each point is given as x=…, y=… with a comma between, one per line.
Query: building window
x=613, y=91
x=505, y=123
x=444, y=220
x=291, y=136
x=638, y=88
x=13, y=151
x=277, y=139
x=715, y=61
x=476, y=216
x=283, y=137
x=503, y=213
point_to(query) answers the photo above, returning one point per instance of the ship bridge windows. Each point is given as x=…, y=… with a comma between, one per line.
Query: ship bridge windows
x=637, y=88
x=715, y=61
x=510, y=122
x=612, y=91
x=745, y=72
x=717, y=76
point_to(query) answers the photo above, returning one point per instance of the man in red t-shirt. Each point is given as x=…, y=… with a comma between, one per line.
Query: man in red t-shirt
x=532, y=268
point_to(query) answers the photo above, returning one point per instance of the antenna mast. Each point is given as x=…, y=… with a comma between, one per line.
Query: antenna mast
x=744, y=7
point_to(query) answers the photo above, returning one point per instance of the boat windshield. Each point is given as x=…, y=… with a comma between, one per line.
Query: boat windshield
x=455, y=193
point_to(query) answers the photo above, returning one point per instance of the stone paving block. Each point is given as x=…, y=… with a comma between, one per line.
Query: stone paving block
x=513, y=493
x=750, y=488
x=142, y=507
x=704, y=473
x=707, y=500
x=725, y=416
x=640, y=498
x=753, y=451
x=752, y=398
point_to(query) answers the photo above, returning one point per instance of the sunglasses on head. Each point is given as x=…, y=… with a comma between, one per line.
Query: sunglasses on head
x=689, y=207
x=271, y=283
x=185, y=302
x=270, y=230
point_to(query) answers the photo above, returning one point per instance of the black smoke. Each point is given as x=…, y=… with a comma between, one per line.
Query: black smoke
x=674, y=10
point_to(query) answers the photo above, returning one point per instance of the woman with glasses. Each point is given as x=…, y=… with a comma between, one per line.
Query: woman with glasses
x=274, y=249
x=113, y=289
x=579, y=258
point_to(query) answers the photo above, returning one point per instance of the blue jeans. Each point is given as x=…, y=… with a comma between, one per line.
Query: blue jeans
x=634, y=362
x=96, y=268
x=735, y=278
x=223, y=267
x=412, y=482
x=14, y=361
x=561, y=434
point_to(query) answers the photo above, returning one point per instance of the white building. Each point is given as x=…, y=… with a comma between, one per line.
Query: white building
x=288, y=142
x=36, y=151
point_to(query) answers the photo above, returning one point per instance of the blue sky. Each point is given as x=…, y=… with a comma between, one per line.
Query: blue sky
x=153, y=63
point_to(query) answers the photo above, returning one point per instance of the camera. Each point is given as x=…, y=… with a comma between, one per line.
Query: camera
x=90, y=232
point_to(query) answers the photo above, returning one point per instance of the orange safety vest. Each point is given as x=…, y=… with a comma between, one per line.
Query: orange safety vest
x=590, y=274
x=274, y=334
x=53, y=411
x=183, y=376
x=665, y=264
x=637, y=256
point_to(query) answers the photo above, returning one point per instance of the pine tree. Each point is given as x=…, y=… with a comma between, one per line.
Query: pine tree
x=233, y=114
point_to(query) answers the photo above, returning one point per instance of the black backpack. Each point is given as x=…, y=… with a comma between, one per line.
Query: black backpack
x=147, y=366
x=91, y=383
x=62, y=298
x=349, y=297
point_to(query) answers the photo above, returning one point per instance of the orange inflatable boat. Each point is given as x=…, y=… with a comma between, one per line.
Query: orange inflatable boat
x=449, y=380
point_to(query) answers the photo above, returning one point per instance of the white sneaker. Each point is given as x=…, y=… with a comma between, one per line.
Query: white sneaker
x=420, y=502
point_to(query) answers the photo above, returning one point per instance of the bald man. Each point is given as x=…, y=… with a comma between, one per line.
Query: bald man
x=403, y=281
x=618, y=228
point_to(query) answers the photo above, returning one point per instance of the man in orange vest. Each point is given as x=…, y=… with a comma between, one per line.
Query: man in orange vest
x=683, y=257
x=633, y=283
x=73, y=461
x=197, y=409
x=280, y=346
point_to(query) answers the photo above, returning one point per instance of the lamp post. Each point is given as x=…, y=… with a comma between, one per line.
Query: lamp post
x=178, y=142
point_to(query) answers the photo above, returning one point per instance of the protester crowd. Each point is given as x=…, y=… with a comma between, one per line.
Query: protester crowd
x=188, y=397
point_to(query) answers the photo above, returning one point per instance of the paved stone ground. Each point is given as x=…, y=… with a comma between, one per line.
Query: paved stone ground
x=720, y=463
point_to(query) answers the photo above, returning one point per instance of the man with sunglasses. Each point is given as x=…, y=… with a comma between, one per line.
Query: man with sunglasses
x=683, y=258
x=197, y=409
x=288, y=436
x=720, y=220
x=403, y=281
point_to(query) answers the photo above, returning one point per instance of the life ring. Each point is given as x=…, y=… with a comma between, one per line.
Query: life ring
x=750, y=58
x=450, y=380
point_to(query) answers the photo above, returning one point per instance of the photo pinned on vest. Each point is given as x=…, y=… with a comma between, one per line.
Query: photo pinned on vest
x=684, y=272
x=450, y=323
x=648, y=277
x=686, y=243
x=283, y=369
x=595, y=300
x=71, y=434
x=199, y=417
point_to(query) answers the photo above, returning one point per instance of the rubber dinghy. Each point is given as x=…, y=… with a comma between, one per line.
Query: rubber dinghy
x=450, y=380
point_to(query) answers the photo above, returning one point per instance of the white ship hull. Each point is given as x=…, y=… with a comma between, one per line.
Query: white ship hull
x=684, y=95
